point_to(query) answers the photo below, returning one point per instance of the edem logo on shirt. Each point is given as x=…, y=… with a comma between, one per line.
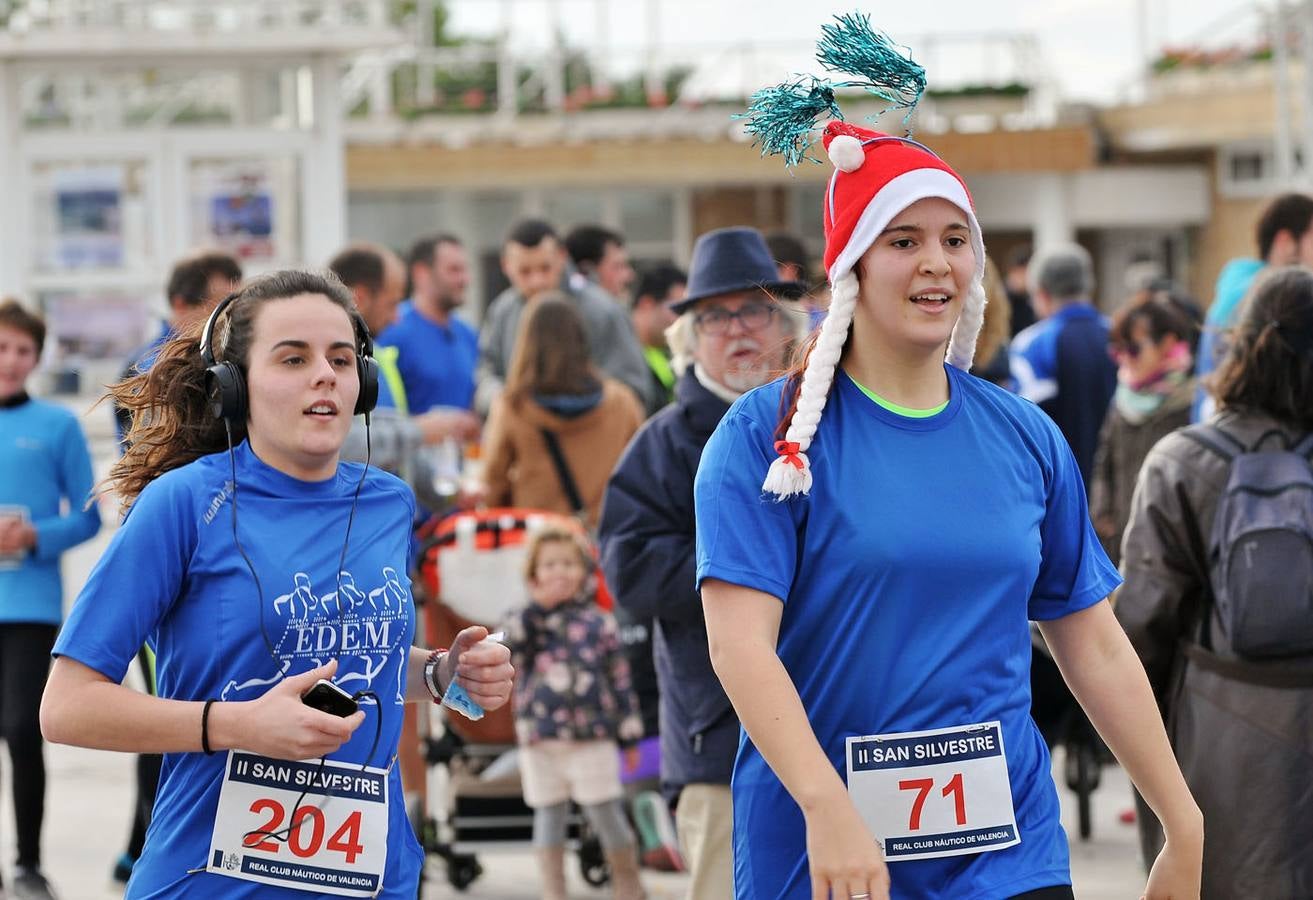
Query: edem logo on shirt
x=352, y=622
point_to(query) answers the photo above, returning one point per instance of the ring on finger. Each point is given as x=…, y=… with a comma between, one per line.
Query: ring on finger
x=859, y=897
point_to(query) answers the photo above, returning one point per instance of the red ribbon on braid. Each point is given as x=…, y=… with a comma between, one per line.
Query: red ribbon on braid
x=789, y=450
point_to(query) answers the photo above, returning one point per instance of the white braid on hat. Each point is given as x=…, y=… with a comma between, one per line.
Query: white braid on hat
x=962, y=342
x=791, y=473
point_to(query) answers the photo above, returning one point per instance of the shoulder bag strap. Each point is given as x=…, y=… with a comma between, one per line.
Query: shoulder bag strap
x=1210, y=437
x=1216, y=441
x=563, y=471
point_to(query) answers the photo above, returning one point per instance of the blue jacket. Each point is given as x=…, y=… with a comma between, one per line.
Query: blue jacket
x=648, y=555
x=1233, y=284
x=1062, y=365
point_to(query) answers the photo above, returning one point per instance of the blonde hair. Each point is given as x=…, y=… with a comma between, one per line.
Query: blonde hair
x=998, y=316
x=555, y=533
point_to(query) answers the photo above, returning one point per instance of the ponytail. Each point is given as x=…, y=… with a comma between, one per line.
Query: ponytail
x=172, y=423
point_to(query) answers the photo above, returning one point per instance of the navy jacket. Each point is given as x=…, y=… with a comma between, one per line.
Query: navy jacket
x=1062, y=364
x=646, y=536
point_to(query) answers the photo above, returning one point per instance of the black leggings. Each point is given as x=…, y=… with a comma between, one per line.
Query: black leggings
x=24, y=666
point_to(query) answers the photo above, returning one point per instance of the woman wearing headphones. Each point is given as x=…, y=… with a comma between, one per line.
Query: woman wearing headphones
x=256, y=565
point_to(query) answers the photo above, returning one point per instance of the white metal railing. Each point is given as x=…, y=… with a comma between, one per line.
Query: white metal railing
x=494, y=77
x=176, y=16
x=483, y=77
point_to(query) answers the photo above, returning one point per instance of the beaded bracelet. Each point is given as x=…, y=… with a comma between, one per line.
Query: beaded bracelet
x=431, y=674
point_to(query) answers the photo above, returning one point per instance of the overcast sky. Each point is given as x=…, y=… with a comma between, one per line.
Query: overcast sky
x=1088, y=48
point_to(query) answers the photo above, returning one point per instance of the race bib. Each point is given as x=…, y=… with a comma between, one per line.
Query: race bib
x=926, y=794
x=333, y=842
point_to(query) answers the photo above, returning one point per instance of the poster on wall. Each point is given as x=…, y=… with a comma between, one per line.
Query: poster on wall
x=88, y=218
x=237, y=206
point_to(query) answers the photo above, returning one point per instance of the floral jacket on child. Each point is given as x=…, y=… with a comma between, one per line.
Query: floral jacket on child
x=571, y=676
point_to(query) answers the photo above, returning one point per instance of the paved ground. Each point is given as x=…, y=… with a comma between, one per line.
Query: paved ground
x=89, y=794
x=90, y=791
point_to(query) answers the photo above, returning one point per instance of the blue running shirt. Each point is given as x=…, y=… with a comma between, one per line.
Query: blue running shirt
x=908, y=576
x=172, y=575
x=436, y=363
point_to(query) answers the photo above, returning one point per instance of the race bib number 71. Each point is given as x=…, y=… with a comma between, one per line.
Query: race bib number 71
x=926, y=794
x=333, y=841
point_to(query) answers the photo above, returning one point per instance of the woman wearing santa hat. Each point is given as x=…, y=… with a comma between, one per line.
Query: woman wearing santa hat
x=867, y=605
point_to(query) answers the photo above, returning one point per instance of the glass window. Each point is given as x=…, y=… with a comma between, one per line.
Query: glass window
x=493, y=215
x=1247, y=166
x=90, y=215
x=394, y=219
x=158, y=97
x=647, y=215
x=565, y=210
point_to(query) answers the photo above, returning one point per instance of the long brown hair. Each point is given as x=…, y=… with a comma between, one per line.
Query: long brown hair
x=998, y=316
x=170, y=404
x=1269, y=364
x=551, y=351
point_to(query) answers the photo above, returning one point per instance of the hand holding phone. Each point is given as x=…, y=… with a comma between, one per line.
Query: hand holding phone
x=328, y=697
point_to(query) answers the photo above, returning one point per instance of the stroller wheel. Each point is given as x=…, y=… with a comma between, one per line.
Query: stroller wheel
x=592, y=863
x=462, y=871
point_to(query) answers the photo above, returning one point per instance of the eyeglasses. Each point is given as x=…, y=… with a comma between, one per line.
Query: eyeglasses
x=1129, y=350
x=752, y=316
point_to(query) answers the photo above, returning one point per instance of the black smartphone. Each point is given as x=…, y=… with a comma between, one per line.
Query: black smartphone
x=328, y=697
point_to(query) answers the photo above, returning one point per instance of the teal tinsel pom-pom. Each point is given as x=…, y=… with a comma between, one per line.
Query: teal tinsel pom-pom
x=782, y=118
x=851, y=46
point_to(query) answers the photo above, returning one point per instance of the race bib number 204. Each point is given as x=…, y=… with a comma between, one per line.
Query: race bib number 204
x=333, y=841
x=927, y=794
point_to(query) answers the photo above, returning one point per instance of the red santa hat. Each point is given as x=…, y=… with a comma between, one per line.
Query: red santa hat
x=876, y=177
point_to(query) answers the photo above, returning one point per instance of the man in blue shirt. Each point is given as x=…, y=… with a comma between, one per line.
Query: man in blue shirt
x=1285, y=238
x=436, y=351
x=377, y=279
x=196, y=284
x=44, y=466
x=1061, y=362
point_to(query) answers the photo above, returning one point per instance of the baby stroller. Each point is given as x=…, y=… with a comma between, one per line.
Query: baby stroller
x=470, y=570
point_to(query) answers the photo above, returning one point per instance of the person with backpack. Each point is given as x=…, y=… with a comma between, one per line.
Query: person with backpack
x=1218, y=599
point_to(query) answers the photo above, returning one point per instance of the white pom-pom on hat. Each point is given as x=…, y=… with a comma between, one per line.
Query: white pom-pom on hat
x=846, y=153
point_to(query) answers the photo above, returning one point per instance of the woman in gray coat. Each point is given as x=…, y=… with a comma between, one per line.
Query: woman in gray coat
x=1242, y=728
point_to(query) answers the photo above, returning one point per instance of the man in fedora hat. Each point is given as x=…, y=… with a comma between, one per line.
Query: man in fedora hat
x=732, y=334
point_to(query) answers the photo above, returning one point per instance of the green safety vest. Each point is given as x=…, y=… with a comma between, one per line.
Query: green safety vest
x=660, y=366
x=387, y=368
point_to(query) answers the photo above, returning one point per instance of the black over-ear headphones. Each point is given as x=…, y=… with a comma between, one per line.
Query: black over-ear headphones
x=227, y=385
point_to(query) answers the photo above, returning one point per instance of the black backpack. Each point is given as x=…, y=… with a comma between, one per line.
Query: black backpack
x=1260, y=551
